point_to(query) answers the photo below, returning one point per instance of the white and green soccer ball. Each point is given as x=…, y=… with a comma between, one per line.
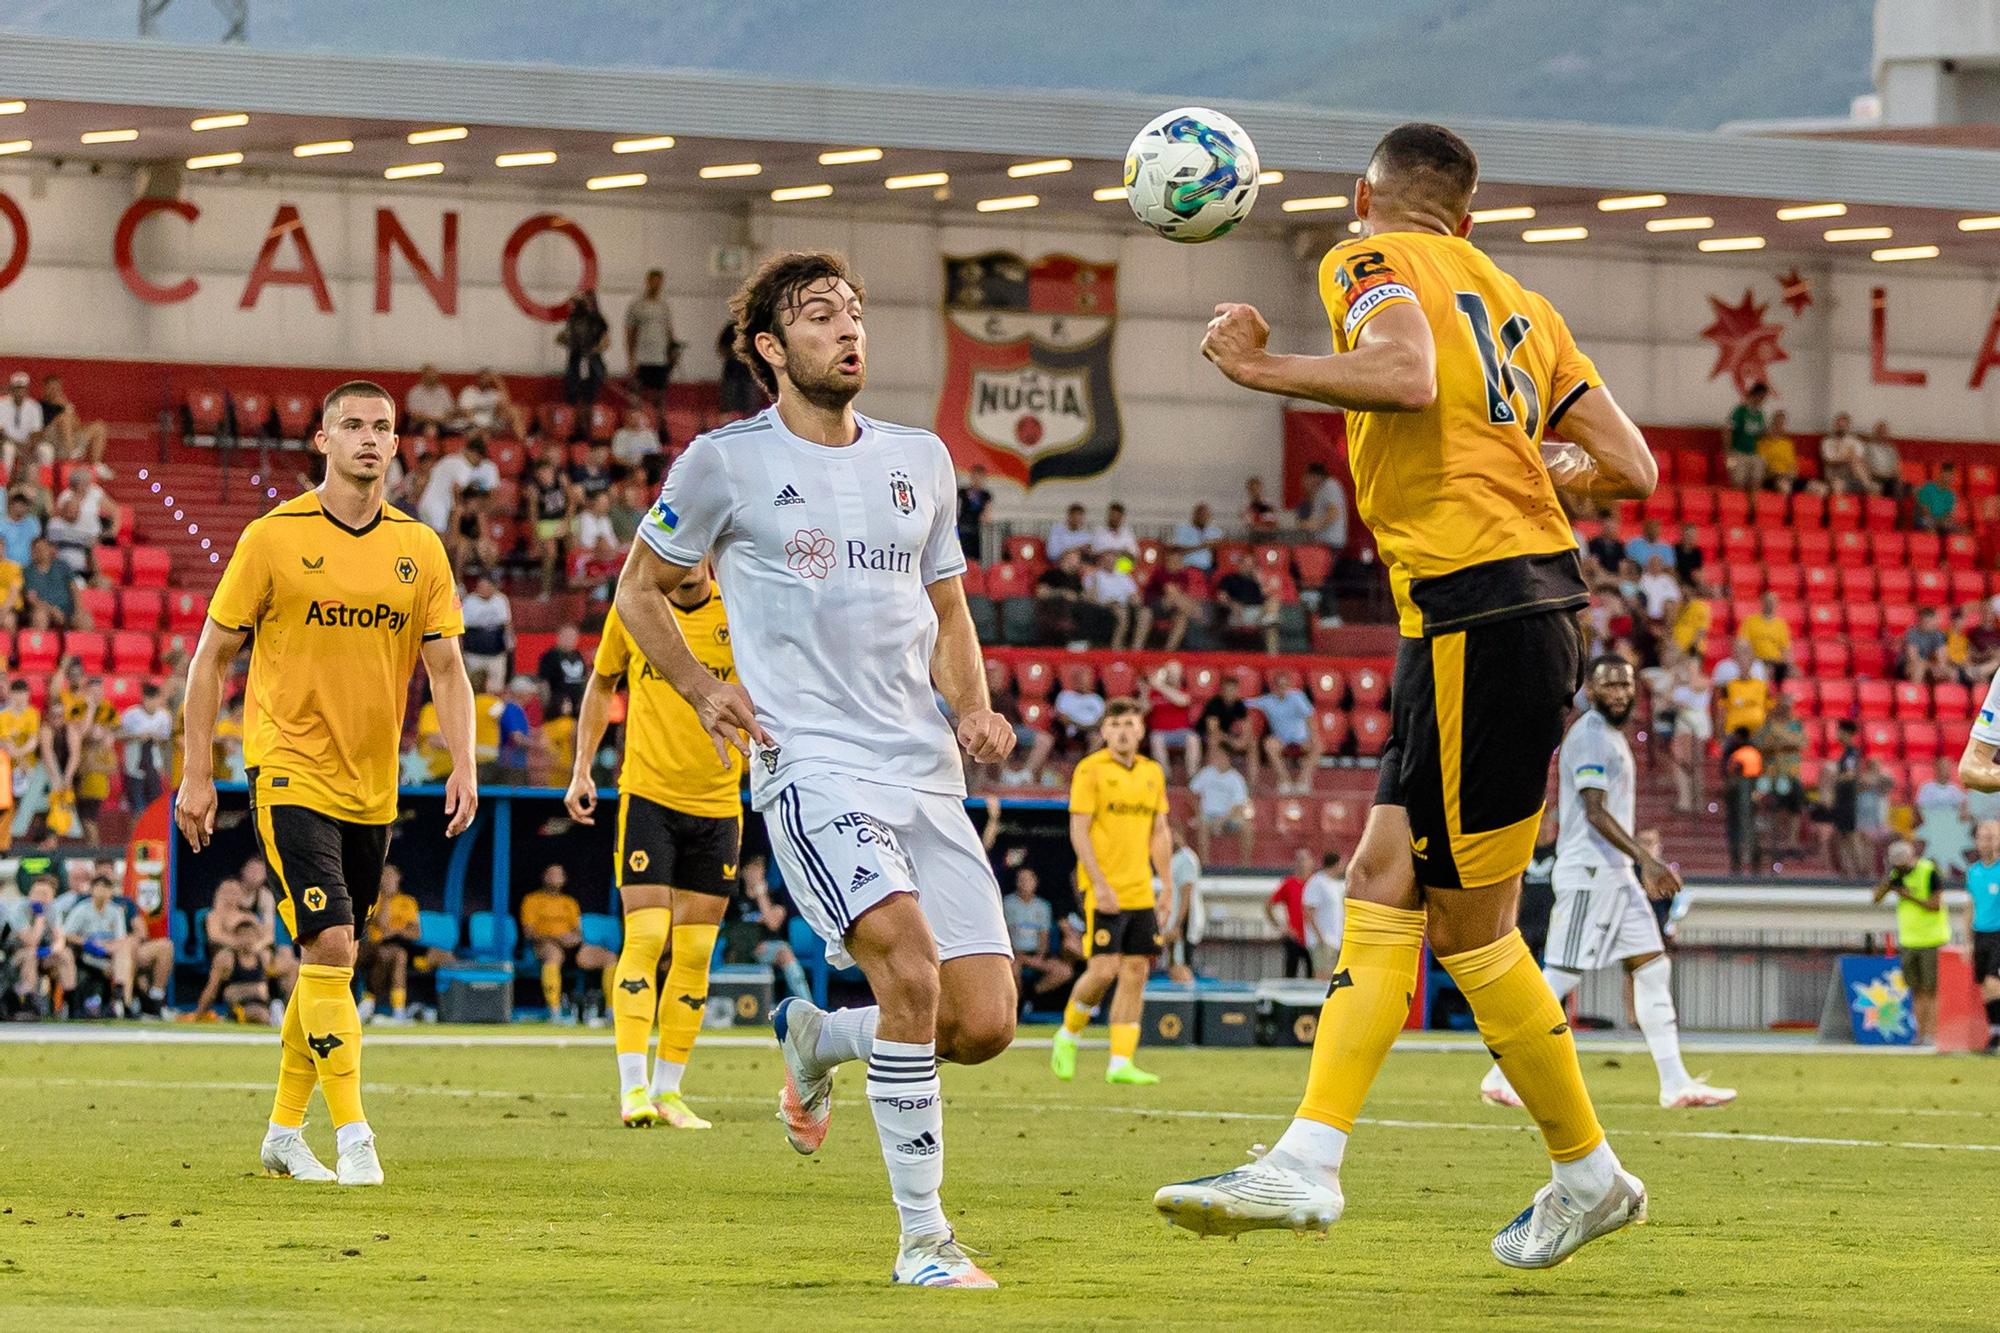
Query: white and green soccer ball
x=1191, y=175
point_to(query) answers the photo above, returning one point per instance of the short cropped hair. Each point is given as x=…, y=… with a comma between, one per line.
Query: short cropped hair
x=1606, y=662
x=354, y=389
x=1123, y=707
x=1426, y=160
x=775, y=290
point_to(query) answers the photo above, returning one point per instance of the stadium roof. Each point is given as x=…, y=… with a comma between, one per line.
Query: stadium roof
x=1562, y=171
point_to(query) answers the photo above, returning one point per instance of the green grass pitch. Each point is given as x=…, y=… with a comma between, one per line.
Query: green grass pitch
x=1843, y=1190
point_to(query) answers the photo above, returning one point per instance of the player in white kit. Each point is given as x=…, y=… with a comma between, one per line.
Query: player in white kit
x=1603, y=878
x=835, y=543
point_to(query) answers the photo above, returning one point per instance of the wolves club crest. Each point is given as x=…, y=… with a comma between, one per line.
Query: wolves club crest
x=1027, y=381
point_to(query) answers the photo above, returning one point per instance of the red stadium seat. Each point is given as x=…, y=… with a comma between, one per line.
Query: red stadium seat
x=297, y=414
x=1961, y=551
x=1915, y=472
x=1707, y=539
x=1035, y=714
x=1290, y=819
x=1315, y=564
x=1836, y=698
x=1803, y=691
x=1912, y=776
x=974, y=579
x=1815, y=547
x=1226, y=553
x=510, y=457
x=1821, y=584
x=1808, y=512
x=1768, y=509
x=1332, y=724
x=1981, y=480
x=1328, y=687
x=148, y=567
x=121, y=692
x=603, y=423
x=1151, y=552
x=1897, y=617
x=1743, y=578
x=1732, y=509
x=1690, y=466
x=1273, y=557
x=1006, y=579
x=1967, y=586
x=1881, y=739
x=1784, y=580
x=1665, y=464
x=1843, y=513
x=1370, y=688
x=1891, y=548
x=1739, y=544
x=252, y=409
x=1912, y=701
x=186, y=611
x=1777, y=545
x=1697, y=505
x=1951, y=703
x=141, y=608
x=1119, y=680
x=1341, y=819
x=1878, y=514
x=1205, y=681
x=88, y=647
x=1831, y=657
x=1034, y=678
x=1851, y=550
x=100, y=605
x=1027, y=550
x=1921, y=743
x=1248, y=679
x=131, y=653
x=1793, y=612
x=558, y=420
x=206, y=409
x=1079, y=676
x=1864, y=617
x=1825, y=617
x=1371, y=731
x=997, y=667
x=1926, y=550
x=1933, y=586
x=1874, y=700
x=36, y=651
x=1897, y=585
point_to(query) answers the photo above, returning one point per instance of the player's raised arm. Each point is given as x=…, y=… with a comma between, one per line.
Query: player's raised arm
x=194, y=804
x=1605, y=457
x=1392, y=368
x=452, y=693
x=725, y=710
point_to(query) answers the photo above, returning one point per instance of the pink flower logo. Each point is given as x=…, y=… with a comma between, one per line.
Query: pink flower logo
x=810, y=553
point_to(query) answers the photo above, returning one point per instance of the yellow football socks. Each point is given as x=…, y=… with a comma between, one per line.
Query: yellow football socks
x=685, y=995
x=399, y=997
x=1124, y=1040
x=296, y=1074
x=631, y=987
x=333, y=1035
x=552, y=987
x=1075, y=1018
x=1524, y=1026
x=1366, y=1006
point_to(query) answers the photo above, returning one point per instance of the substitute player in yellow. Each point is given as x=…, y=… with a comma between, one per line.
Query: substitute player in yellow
x=680, y=828
x=339, y=594
x=1450, y=373
x=1118, y=829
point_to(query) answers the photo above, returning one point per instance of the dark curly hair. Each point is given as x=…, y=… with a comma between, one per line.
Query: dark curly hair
x=775, y=290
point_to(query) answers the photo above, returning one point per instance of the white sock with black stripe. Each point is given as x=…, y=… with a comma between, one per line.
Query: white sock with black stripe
x=846, y=1034
x=904, y=1094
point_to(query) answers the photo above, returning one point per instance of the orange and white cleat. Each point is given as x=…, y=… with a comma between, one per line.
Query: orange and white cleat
x=806, y=1102
x=938, y=1261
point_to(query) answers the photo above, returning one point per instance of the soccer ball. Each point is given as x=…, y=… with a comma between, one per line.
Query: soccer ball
x=1191, y=174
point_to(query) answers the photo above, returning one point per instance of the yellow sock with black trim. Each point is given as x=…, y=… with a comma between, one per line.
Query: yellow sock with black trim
x=296, y=1075
x=1075, y=1018
x=632, y=982
x=552, y=987
x=684, y=997
x=333, y=1035
x=1523, y=1025
x=1124, y=1044
x=1366, y=1005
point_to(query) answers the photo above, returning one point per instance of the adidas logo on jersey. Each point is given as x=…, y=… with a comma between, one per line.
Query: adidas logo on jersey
x=863, y=877
x=789, y=496
x=924, y=1145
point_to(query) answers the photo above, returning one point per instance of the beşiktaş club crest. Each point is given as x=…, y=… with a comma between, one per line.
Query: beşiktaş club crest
x=1027, y=379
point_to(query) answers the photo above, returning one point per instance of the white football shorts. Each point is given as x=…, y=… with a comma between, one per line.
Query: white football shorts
x=1601, y=915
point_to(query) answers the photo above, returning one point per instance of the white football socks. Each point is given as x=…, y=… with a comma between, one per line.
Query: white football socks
x=277, y=1132
x=904, y=1094
x=349, y=1134
x=1653, y=1001
x=667, y=1076
x=846, y=1034
x=1315, y=1145
x=631, y=1071
x=1588, y=1179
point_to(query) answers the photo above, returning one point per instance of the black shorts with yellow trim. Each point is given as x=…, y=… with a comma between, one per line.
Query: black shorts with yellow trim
x=658, y=844
x=320, y=866
x=1474, y=716
x=1133, y=932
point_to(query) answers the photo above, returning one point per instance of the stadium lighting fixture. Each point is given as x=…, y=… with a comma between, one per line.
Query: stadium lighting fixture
x=1837, y=234
x=1104, y=194
x=1724, y=244
x=723, y=171
x=207, y=160
x=1990, y=223
x=1045, y=168
x=225, y=122
x=326, y=148
x=410, y=170
x=1314, y=203
x=109, y=136
x=624, y=182
x=15, y=146
x=444, y=135
x=921, y=180
x=1008, y=203
x=654, y=144
x=540, y=158
x=1625, y=203
x=1806, y=212
x=845, y=157
x=793, y=193
x=1270, y=178
x=12, y=108
x=1680, y=224
x=1543, y=235
x=1893, y=253
x=1521, y=213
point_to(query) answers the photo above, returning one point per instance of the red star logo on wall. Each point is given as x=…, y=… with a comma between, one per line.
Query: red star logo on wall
x=1794, y=291
x=1745, y=345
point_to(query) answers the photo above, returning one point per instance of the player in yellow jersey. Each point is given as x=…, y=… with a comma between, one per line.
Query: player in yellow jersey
x=1450, y=373
x=680, y=828
x=1118, y=828
x=342, y=593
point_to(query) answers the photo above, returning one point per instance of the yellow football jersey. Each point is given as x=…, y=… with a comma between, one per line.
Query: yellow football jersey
x=548, y=912
x=669, y=759
x=338, y=617
x=20, y=728
x=1122, y=803
x=1457, y=495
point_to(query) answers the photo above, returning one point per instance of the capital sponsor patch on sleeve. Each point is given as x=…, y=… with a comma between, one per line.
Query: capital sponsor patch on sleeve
x=1364, y=300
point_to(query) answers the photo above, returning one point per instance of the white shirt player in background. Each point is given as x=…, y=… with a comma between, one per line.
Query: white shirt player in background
x=1978, y=768
x=1325, y=901
x=835, y=542
x=1603, y=878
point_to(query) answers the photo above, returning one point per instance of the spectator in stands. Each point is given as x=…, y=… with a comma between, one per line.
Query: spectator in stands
x=1290, y=733
x=1171, y=595
x=1195, y=539
x=21, y=425
x=628, y=509
x=1033, y=742
x=585, y=336
x=391, y=940
x=1225, y=725
x=594, y=475
x=1115, y=536
x=1077, y=713
x=94, y=928
x=1742, y=766
x=974, y=499
x=1782, y=742
x=1769, y=639
x=1110, y=585
x=738, y=393
x=21, y=734
x=1937, y=502
x=650, y=348
x=48, y=589
x=147, y=729
x=1691, y=700
x=1607, y=548
x=550, y=500
x=552, y=929
x=1660, y=591
x=1745, y=431
x=1072, y=534
x=1039, y=967
x=95, y=509
x=1848, y=849
x=761, y=924
x=34, y=946
x=1842, y=459
x=1224, y=804
x=1285, y=910
x=1780, y=456
x=1245, y=607
x=457, y=483
x=75, y=439
x=1746, y=691
x=1059, y=604
x=1688, y=558
x=1260, y=516
x=489, y=632
x=1923, y=655
x=596, y=551
x=1982, y=643
x=1943, y=826
x=1647, y=544
x=1325, y=902
x=239, y=977
x=1170, y=720
x=485, y=405
x=1922, y=928
x=519, y=741
x=1885, y=461
x=564, y=671
x=75, y=541
x=635, y=446
x=19, y=529
x=428, y=408
x=1323, y=510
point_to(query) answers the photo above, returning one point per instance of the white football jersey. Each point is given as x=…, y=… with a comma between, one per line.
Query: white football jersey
x=1986, y=726
x=1594, y=756
x=824, y=555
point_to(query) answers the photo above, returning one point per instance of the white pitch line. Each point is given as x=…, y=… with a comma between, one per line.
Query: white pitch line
x=974, y=1102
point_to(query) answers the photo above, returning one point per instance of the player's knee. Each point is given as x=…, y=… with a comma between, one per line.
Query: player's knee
x=906, y=985
x=973, y=1039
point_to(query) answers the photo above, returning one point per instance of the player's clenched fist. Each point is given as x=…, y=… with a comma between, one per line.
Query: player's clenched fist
x=1236, y=336
x=986, y=736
